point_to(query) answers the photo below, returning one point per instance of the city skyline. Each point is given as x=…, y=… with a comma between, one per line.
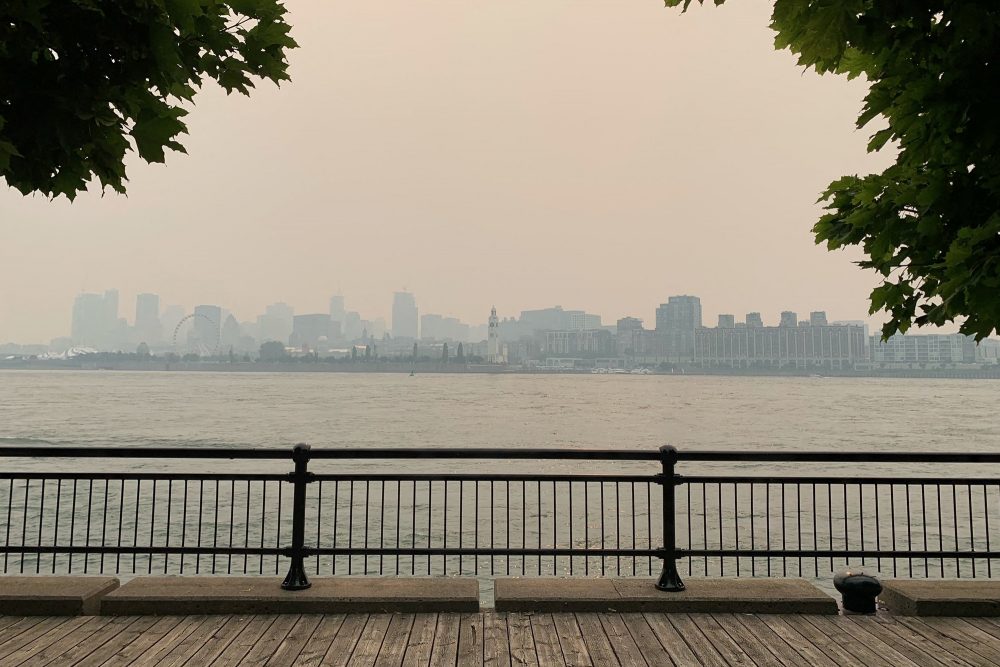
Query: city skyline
x=590, y=166
x=151, y=317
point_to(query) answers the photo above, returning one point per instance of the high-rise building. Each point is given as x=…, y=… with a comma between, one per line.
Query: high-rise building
x=817, y=318
x=90, y=324
x=311, y=330
x=676, y=323
x=231, y=334
x=405, y=321
x=679, y=313
x=627, y=325
x=147, y=319
x=337, y=310
x=276, y=323
x=754, y=320
x=727, y=321
x=353, y=329
x=788, y=319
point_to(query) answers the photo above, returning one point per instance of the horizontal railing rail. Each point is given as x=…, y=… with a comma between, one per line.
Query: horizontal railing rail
x=598, y=512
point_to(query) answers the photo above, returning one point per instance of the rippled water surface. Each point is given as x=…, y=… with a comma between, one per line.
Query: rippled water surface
x=362, y=410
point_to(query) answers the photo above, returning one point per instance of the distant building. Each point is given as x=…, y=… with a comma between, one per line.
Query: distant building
x=585, y=343
x=438, y=327
x=817, y=318
x=494, y=353
x=276, y=323
x=230, y=338
x=834, y=347
x=405, y=322
x=754, y=320
x=309, y=331
x=95, y=321
x=923, y=350
x=337, y=310
x=352, y=328
x=626, y=325
x=727, y=321
x=556, y=319
x=148, y=328
x=679, y=313
x=788, y=319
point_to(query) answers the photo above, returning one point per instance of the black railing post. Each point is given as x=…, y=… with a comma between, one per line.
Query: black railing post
x=296, y=579
x=670, y=579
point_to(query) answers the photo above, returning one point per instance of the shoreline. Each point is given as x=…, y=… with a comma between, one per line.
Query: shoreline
x=482, y=369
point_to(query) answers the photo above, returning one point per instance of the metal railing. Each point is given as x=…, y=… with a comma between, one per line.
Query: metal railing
x=569, y=512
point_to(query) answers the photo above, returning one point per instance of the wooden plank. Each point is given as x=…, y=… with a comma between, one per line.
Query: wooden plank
x=671, y=641
x=244, y=641
x=45, y=647
x=870, y=641
x=867, y=647
x=470, y=640
x=696, y=640
x=749, y=643
x=7, y=621
x=320, y=641
x=905, y=641
x=811, y=634
x=187, y=646
x=574, y=649
x=85, y=644
x=947, y=636
x=812, y=653
x=396, y=637
x=836, y=639
x=342, y=646
x=546, y=641
x=649, y=644
x=786, y=652
x=421, y=641
x=984, y=625
x=722, y=642
x=939, y=642
x=103, y=653
x=985, y=641
x=598, y=645
x=621, y=641
x=496, y=643
x=11, y=630
x=522, y=643
x=213, y=647
x=370, y=642
x=269, y=642
x=445, y=649
x=297, y=638
x=158, y=639
x=51, y=627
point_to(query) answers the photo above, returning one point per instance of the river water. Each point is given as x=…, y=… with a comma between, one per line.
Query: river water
x=471, y=410
x=208, y=410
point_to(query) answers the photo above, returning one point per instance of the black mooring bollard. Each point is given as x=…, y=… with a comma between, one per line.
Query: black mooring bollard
x=858, y=591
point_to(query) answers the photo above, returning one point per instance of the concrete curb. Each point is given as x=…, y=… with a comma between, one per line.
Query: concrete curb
x=711, y=595
x=942, y=597
x=53, y=595
x=263, y=595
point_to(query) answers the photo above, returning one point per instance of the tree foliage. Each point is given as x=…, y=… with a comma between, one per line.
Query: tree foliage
x=930, y=223
x=83, y=82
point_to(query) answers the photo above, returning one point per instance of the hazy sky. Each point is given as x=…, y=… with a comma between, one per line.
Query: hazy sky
x=598, y=154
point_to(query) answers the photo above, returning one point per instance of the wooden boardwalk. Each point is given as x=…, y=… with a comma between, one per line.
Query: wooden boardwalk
x=490, y=638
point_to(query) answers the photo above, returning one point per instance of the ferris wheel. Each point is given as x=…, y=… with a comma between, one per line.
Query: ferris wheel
x=209, y=346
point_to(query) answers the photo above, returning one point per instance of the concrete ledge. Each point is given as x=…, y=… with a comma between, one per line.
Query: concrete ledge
x=53, y=595
x=942, y=597
x=748, y=596
x=263, y=595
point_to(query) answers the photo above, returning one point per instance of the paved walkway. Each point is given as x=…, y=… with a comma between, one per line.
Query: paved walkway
x=490, y=638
